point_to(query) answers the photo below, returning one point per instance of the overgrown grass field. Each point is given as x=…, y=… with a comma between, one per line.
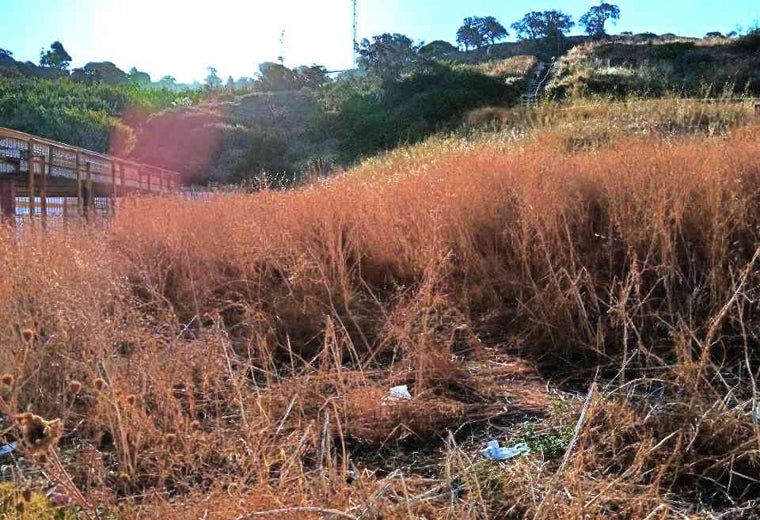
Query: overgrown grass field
x=587, y=284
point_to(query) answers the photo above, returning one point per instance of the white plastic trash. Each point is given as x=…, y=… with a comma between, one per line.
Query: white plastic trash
x=8, y=448
x=400, y=392
x=494, y=452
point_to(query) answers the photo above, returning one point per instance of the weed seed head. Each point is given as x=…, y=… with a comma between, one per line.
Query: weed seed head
x=27, y=335
x=39, y=435
x=74, y=387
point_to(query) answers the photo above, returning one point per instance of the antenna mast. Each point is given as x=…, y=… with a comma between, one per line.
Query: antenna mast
x=356, y=30
x=281, y=57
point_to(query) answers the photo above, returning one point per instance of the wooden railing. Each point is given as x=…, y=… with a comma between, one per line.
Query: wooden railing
x=33, y=160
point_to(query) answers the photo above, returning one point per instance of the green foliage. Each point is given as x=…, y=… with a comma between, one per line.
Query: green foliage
x=749, y=42
x=75, y=113
x=595, y=19
x=436, y=49
x=670, y=50
x=543, y=24
x=680, y=68
x=387, y=55
x=551, y=437
x=213, y=81
x=95, y=72
x=413, y=108
x=55, y=58
x=549, y=27
x=139, y=78
x=476, y=32
x=38, y=508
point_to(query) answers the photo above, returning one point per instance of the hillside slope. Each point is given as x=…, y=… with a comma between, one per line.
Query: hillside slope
x=593, y=297
x=655, y=68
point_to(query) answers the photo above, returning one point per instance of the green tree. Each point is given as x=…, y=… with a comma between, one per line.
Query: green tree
x=275, y=76
x=595, y=19
x=5, y=54
x=479, y=31
x=548, y=26
x=168, y=82
x=213, y=81
x=55, y=58
x=95, y=72
x=435, y=49
x=139, y=78
x=387, y=55
x=543, y=24
x=313, y=76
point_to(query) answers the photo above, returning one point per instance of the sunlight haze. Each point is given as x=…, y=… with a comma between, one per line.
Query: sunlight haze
x=169, y=37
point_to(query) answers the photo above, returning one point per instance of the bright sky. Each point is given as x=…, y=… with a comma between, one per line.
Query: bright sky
x=182, y=38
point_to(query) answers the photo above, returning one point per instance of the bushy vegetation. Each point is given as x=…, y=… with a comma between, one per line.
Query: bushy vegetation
x=80, y=114
x=597, y=300
x=684, y=67
x=414, y=107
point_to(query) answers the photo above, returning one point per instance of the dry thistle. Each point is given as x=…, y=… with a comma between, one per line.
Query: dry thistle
x=28, y=335
x=195, y=425
x=7, y=379
x=27, y=495
x=20, y=506
x=131, y=399
x=170, y=439
x=100, y=384
x=74, y=387
x=39, y=435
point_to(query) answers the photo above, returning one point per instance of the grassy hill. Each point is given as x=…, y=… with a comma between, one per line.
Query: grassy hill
x=586, y=286
x=710, y=67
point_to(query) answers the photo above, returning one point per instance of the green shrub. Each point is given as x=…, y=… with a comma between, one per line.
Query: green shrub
x=749, y=42
x=410, y=109
x=38, y=508
x=75, y=113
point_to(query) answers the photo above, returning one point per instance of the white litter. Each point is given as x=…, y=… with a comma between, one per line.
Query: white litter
x=494, y=452
x=399, y=393
x=8, y=448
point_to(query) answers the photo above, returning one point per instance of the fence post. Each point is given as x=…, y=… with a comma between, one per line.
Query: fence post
x=87, y=191
x=30, y=182
x=80, y=208
x=43, y=192
x=8, y=200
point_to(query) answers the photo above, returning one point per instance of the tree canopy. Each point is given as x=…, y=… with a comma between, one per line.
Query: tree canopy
x=436, y=48
x=543, y=24
x=213, y=81
x=387, y=55
x=55, y=58
x=476, y=32
x=105, y=72
x=595, y=19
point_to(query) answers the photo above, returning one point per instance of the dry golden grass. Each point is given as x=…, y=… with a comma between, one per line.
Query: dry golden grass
x=229, y=357
x=514, y=66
